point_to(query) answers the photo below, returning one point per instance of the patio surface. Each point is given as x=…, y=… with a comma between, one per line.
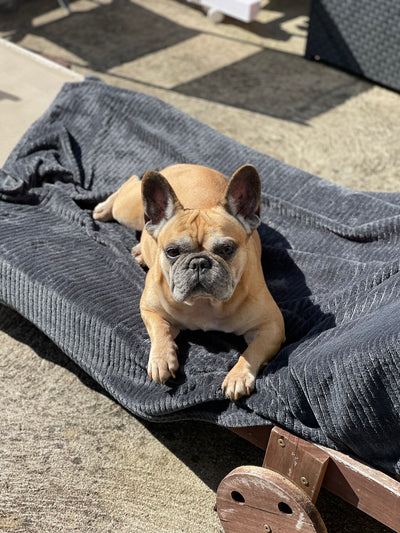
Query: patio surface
x=71, y=458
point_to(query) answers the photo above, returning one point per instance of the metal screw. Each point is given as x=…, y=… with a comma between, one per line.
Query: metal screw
x=304, y=480
x=281, y=442
x=267, y=528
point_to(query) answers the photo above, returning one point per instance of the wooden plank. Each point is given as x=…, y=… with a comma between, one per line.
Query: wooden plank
x=302, y=462
x=257, y=435
x=368, y=489
x=364, y=487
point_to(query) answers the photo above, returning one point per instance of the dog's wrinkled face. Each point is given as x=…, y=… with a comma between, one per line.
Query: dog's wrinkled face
x=202, y=252
x=201, y=255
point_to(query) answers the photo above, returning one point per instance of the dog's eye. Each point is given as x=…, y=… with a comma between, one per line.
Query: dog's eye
x=172, y=252
x=225, y=250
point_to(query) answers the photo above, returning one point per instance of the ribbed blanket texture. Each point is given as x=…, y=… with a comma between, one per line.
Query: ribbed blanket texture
x=330, y=258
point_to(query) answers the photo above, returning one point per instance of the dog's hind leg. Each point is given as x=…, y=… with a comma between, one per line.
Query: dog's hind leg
x=136, y=252
x=103, y=210
x=125, y=206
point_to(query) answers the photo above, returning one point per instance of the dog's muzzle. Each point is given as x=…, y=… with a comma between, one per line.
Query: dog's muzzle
x=199, y=265
x=199, y=274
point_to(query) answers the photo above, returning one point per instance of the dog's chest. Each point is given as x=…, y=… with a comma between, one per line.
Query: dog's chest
x=204, y=315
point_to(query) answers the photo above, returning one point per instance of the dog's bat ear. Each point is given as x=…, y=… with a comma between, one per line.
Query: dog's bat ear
x=160, y=202
x=243, y=197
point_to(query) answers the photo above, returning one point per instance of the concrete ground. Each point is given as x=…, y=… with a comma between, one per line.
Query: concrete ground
x=71, y=458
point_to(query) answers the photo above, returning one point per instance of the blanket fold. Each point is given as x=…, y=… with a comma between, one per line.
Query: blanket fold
x=330, y=258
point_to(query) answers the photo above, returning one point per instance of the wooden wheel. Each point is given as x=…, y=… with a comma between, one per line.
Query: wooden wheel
x=259, y=500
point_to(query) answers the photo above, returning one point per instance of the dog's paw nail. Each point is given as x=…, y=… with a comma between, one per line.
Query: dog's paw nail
x=238, y=384
x=228, y=394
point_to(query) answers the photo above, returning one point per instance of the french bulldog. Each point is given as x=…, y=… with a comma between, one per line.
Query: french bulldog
x=203, y=253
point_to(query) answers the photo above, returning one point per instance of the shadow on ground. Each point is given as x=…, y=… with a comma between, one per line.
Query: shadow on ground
x=270, y=82
x=211, y=452
x=23, y=331
x=276, y=84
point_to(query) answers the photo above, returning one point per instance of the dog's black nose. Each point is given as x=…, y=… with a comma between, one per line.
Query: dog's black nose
x=200, y=263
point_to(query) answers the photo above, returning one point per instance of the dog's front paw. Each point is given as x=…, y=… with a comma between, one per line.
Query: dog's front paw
x=161, y=368
x=239, y=382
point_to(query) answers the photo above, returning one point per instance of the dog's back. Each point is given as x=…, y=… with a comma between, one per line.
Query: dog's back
x=196, y=187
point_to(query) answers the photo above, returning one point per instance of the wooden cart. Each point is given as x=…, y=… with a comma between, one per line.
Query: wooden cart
x=280, y=496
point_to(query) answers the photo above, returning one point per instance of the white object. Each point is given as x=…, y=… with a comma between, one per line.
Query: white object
x=215, y=15
x=244, y=10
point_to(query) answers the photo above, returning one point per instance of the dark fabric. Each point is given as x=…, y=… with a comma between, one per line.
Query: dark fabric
x=330, y=257
x=360, y=36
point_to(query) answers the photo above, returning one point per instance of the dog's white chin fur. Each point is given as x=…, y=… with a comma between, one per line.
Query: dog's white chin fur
x=205, y=297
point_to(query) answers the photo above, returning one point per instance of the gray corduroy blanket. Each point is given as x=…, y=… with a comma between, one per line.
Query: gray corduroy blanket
x=330, y=257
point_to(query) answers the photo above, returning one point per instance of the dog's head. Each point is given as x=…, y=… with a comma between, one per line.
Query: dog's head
x=202, y=252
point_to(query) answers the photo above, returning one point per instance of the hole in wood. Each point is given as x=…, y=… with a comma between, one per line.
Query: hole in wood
x=237, y=497
x=284, y=508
